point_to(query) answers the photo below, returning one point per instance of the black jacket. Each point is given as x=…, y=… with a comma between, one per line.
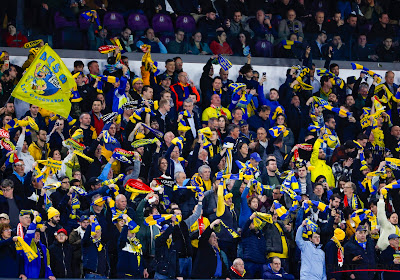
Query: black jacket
x=386, y=261
x=368, y=261
x=273, y=237
x=331, y=261
x=61, y=259
x=166, y=259
x=180, y=237
x=206, y=260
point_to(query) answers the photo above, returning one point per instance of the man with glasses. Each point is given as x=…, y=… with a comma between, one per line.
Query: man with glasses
x=274, y=270
x=182, y=89
x=10, y=204
x=61, y=191
x=18, y=178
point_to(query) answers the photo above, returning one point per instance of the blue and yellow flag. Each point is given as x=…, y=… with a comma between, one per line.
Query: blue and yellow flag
x=224, y=63
x=47, y=83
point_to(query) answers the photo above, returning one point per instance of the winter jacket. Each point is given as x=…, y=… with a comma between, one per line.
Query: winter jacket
x=321, y=168
x=331, y=260
x=368, y=261
x=11, y=262
x=167, y=261
x=245, y=210
x=386, y=227
x=36, y=151
x=206, y=261
x=273, y=237
x=90, y=255
x=270, y=274
x=75, y=240
x=312, y=258
x=386, y=260
x=61, y=259
x=128, y=261
x=32, y=269
x=253, y=244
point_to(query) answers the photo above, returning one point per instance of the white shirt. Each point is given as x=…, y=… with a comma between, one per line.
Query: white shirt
x=178, y=166
x=192, y=127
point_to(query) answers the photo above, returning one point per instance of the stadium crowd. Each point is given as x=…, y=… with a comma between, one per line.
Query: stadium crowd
x=151, y=177
x=344, y=29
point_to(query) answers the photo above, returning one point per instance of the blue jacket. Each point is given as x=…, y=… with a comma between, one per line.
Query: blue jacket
x=256, y=122
x=32, y=269
x=128, y=261
x=245, y=211
x=90, y=254
x=270, y=274
x=253, y=244
x=11, y=262
x=312, y=259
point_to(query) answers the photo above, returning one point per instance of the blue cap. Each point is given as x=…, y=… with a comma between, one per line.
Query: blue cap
x=83, y=217
x=256, y=157
x=165, y=76
x=361, y=228
x=393, y=236
x=242, y=123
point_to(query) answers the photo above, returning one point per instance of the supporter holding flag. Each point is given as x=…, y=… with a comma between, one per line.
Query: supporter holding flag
x=12, y=263
x=312, y=256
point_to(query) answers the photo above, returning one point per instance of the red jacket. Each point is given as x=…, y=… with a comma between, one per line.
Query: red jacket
x=218, y=49
x=180, y=95
x=16, y=41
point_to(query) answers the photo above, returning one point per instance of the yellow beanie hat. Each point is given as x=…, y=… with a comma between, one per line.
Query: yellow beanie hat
x=52, y=212
x=339, y=234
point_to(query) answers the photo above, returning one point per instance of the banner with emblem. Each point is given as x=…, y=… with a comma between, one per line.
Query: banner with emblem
x=47, y=83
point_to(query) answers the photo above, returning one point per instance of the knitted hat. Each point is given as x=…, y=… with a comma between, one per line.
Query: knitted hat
x=235, y=87
x=339, y=234
x=52, y=212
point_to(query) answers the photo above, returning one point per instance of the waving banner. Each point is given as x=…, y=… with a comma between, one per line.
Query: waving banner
x=47, y=83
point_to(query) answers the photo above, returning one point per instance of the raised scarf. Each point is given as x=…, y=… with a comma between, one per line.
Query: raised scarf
x=340, y=252
x=354, y=202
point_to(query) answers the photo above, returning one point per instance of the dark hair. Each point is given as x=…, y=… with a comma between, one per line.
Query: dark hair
x=335, y=195
x=176, y=58
x=125, y=28
x=249, y=199
x=91, y=62
x=179, y=30
x=145, y=88
x=264, y=108
x=333, y=65
x=327, y=118
x=246, y=69
x=78, y=63
x=236, y=109
x=168, y=61
x=3, y=227
x=324, y=79
x=217, y=78
x=343, y=178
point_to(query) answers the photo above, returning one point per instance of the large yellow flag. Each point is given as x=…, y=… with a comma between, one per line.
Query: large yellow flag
x=47, y=83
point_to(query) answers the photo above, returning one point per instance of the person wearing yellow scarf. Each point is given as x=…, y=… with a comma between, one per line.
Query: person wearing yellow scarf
x=130, y=261
x=334, y=253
